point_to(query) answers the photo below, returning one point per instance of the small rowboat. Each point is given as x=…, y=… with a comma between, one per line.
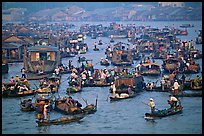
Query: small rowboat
x=59, y=121
x=105, y=63
x=26, y=105
x=96, y=84
x=15, y=93
x=164, y=112
x=74, y=90
x=96, y=49
x=61, y=107
x=133, y=94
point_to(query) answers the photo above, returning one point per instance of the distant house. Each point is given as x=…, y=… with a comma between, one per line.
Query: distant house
x=171, y=4
x=12, y=47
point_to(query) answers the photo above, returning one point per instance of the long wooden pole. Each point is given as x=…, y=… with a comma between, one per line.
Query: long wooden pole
x=25, y=57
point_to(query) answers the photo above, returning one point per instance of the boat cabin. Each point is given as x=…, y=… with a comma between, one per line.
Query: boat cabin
x=41, y=58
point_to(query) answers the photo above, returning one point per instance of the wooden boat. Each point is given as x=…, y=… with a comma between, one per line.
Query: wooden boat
x=81, y=59
x=96, y=49
x=122, y=57
x=111, y=40
x=118, y=36
x=136, y=84
x=15, y=91
x=32, y=76
x=100, y=42
x=189, y=85
x=41, y=58
x=196, y=54
x=26, y=105
x=74, y=89
x=192, y=69
x=157, y=89
x=164, y=112
x=186, y=25
x=150, y=69
x=105, y=63
x=171, y=64
x=188, y=93
x=62, y=107
x=123, y=96
x=59, y=121
x=67, y=54
x=95, y=84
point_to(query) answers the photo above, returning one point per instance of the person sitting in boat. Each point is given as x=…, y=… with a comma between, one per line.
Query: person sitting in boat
x=23, y=88
x=172, y=101
x=12, y=80
x=152, y=105
x=163, y=83
x=57, y=71
x=17, y=79
x=91, y=81
x=129, y=90
x=148, y=60
x=151, y=85
x=196, y=81
x=28, y=103
x=41, y=72
x=70, y=101
x=102, y=59
x=3, y=88
x=78, y=105
x=83, y=76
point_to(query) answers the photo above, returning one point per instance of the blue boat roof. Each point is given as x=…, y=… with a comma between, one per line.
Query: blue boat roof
x=43, y=48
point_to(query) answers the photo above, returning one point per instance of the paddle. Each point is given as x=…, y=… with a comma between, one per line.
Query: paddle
x=96, y=100
x=35, y=86
x=84, y=101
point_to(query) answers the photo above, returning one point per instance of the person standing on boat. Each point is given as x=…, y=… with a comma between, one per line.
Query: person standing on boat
x=23, y=73
x=152, y=105
x=17, y=79
x=163, y=83
x=196, y=81
x=129, y=90
x=176, y=86
x=45, y=110
x=70, y=101
x=95, y=45
x=12, y=80
x=172, y=101
x=114, y=89
x=183, y=78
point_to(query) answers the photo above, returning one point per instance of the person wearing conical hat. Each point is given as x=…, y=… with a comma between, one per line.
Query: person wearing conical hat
x=152, y=105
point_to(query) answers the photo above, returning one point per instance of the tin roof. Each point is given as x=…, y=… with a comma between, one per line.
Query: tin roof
x=43, y=48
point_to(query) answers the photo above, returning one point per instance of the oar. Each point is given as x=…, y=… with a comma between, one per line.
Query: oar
x=96, y=100
x=35, y=86
x=148, y=105
x=107, y=97
x=84, y=101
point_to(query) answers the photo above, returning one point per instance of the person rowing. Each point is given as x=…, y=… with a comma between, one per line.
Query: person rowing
x=172, y=101
x=152, y=105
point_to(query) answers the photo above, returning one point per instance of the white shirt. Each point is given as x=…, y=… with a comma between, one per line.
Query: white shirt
x=173, y=98
x=176, y=85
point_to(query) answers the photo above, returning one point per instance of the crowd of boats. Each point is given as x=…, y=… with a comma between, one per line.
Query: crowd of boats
x=42, y=62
